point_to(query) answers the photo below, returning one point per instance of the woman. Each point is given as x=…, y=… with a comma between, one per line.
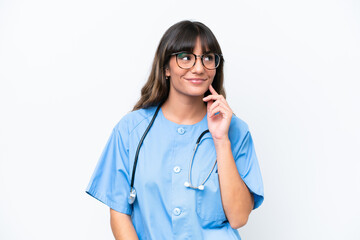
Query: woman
x=180, y=190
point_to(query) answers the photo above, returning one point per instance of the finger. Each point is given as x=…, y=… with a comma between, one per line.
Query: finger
x=213, y=97
x=212, y=90
x=214, y=105
x=209, y=104
x=216, y=98
x=221, y=110
x=219, y=103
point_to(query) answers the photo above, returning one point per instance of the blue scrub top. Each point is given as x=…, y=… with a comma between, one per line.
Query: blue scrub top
x=164, y=208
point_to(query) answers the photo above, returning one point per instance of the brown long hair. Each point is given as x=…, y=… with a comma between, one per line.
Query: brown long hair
x=181, y=36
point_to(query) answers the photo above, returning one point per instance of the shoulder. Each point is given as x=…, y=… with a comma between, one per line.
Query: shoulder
x=238, y=124
x=238, y=128
x=132, y=120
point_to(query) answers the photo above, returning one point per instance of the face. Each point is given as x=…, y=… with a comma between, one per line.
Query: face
x=190, y=82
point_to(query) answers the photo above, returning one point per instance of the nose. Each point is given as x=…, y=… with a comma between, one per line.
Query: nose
x=198, y=67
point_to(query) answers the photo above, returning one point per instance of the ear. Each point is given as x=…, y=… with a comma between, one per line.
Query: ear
x=167, y=71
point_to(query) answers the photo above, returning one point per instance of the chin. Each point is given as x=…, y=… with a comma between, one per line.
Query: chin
x=196, y=93
x=192, y=91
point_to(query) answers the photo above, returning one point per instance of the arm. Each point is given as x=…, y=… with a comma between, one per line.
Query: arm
x=237, y=201
x=121, y=226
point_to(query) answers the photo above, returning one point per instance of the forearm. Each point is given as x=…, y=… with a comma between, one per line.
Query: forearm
x=121, y=226
x=236, y=198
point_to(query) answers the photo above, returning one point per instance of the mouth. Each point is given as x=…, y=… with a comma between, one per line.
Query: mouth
x=196, y=80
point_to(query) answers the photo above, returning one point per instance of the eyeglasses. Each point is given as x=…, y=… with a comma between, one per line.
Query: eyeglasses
x=187, y=60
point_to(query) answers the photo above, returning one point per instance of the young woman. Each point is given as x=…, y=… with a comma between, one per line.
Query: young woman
x=189, y=183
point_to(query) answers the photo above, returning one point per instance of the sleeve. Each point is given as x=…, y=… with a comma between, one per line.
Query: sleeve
x=110, y=180
x=248, y=165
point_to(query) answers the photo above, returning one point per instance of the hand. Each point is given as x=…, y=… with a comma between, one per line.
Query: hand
x=218, y=124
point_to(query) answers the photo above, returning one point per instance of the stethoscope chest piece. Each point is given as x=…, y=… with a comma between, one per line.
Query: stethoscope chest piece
x=132, y=196
x=188, y=185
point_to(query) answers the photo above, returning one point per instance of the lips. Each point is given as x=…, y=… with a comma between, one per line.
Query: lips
x=196, y=80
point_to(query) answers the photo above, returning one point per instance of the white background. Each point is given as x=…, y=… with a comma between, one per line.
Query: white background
x=69, y=70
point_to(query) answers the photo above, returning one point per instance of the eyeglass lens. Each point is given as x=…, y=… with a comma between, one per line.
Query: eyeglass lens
x=187, y=60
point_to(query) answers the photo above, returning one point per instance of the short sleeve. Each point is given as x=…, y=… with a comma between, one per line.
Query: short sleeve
x=110, y=180
x=247, y=162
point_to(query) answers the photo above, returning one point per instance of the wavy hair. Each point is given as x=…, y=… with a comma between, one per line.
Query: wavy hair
x=181, y=36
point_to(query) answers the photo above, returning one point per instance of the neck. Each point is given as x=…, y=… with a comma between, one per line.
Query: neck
x=184, y=110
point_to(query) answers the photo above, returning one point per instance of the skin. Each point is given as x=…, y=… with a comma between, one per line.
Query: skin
x=122, y=226
x=237, y=201
x=185, y=105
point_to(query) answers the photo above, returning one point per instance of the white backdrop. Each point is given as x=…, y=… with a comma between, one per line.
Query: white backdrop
x=69, y=70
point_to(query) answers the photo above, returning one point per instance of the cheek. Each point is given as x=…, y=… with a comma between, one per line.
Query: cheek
x=174, y=70
x=212, y=75
x=177, y=73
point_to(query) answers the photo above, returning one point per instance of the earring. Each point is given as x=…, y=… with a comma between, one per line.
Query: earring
x=167, y=77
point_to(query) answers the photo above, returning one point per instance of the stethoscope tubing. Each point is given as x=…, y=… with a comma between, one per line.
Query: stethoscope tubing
x=132, y=196
x=139, y=146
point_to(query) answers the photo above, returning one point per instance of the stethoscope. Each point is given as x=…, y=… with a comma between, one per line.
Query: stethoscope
x=187, y=184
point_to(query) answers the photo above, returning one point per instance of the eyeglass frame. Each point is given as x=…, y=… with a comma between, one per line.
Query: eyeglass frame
x=197, y=56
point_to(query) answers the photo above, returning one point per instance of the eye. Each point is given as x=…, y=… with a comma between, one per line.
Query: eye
x=185, y=56
x=209, y=57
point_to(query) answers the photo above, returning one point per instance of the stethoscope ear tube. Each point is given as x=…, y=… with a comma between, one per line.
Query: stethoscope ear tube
x=132, y=196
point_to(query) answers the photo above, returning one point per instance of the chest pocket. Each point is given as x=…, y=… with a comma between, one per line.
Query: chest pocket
x=209, y=205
